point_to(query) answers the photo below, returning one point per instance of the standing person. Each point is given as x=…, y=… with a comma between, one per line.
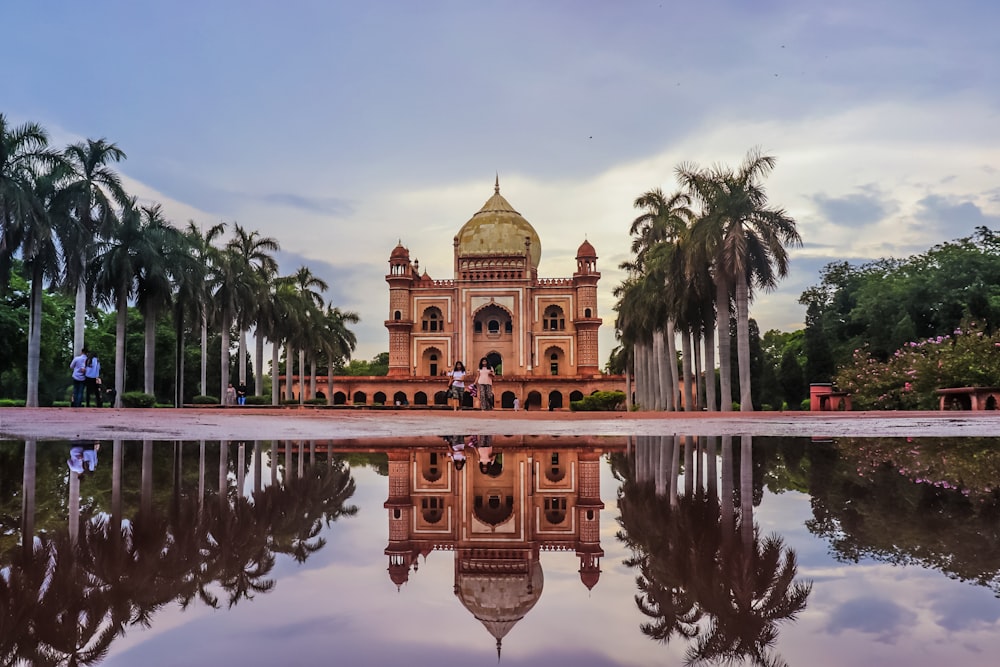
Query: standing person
x=83, y=456
x=241, y=394
x=517, y=404
x=78, y=369
x=230, y=394
x=485, y=382
x=93, y=381
x=456, y=385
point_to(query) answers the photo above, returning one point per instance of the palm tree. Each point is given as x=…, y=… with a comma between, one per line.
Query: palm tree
x=337, y=341
x=261, y=268
x=197, y=287
x=190, y=274
x=158, y=261
x=746, y=239
x=117, y=267
x=29, y=181
x=308, y=287
x=94, y=192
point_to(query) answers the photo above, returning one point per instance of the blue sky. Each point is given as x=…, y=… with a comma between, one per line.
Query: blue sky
x=341, y=128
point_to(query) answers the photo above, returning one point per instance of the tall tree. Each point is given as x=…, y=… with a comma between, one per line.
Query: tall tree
x=94, y=193
x=29, y=179
x=260, y=268
x=747, y=240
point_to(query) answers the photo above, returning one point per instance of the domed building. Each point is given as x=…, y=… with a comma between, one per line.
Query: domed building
x=496, y=306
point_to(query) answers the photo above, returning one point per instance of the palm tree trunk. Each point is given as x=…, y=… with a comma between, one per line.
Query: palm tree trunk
x=312, y=376
x=149, y=368
x=651, y=375
x=699, y=376
x=122, y=318
x=28, y=479
x=258, y=369
x=686, y=365
x=661, y=378
x=628, y=388
x=746, y=491
x=179, y=357
x=329, y=382
x=743, y=342
x=203, y=387
x=711, y=403
x=722, y=326
x=275, y=381
x=639, y=364
x=35, y=337
x=80, y=312
x=289, y=368
x=243, y=358
x=302, y=368
x=672, y=357
x=224, y=360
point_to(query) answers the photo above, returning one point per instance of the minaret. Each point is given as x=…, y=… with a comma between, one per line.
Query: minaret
x=400, y=323
x=586, y=320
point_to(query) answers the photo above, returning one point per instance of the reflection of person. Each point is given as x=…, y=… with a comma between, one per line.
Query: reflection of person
x=78, y=369
x=93, y=381
x=241, y=394
x=456, y=450
x=83, y=457
x=485, y=382
x=490, y=461
x=456, y=385
x=230, y=394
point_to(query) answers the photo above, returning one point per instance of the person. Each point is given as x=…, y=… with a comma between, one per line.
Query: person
x=241, y=394
x=456, y=385
x=83, y=457
x=490, y=461
x=485, y=382
x=230, y=394
x=93, y=381
x=517, y=404
x=456, y=450
x=78, y=368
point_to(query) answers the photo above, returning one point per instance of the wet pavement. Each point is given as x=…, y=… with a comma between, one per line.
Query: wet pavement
x=312, y=423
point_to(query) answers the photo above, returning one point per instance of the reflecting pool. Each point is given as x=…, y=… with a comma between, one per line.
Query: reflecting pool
x=469, y=549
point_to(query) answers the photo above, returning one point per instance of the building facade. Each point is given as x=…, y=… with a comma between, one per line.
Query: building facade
x=540, y=334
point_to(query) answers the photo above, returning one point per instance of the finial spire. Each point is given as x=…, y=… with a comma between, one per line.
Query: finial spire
x=496, y=187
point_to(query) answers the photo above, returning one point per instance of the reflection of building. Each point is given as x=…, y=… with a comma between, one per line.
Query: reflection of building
x=539, y=333
x=543, y=498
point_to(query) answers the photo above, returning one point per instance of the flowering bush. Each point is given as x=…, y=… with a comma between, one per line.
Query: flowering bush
x=909, y=378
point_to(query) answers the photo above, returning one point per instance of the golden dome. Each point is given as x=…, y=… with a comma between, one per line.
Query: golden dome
x=497, y=229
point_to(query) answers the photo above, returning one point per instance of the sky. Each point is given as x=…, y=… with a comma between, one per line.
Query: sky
x=342, y=128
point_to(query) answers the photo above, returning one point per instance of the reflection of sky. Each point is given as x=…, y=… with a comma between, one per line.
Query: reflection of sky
x=340, y=607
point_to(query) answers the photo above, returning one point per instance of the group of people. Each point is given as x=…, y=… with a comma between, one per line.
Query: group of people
x=236, y=395
x=490, y=461
x=481, y=386
x=86, y=371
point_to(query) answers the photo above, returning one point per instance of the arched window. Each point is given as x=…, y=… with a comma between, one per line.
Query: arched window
x=397, y=315
x=586, y=312
x=432, y=320
x=554, y=319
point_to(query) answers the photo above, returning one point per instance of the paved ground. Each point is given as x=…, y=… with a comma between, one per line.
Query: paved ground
x=313, y=424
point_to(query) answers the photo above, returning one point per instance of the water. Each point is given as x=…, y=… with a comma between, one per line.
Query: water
x=567, y=551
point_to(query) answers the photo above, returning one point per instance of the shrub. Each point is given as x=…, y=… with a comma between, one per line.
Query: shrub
x=910, y=377
x=258, y=400
x=315, y=401
x=137, y=399
x=600, y=401
x=202, y=399
x=11, y=402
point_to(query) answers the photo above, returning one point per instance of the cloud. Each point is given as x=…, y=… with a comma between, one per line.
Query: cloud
x=875, y=616
x=858, y=209
x=325, y=205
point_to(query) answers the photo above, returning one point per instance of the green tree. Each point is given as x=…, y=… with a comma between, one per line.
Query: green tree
x=747, y=240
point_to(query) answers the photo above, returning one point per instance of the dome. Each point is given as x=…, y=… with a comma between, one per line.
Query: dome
x=499, y=600
x=399, y=252
x=497, y=229
x=586, y=251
